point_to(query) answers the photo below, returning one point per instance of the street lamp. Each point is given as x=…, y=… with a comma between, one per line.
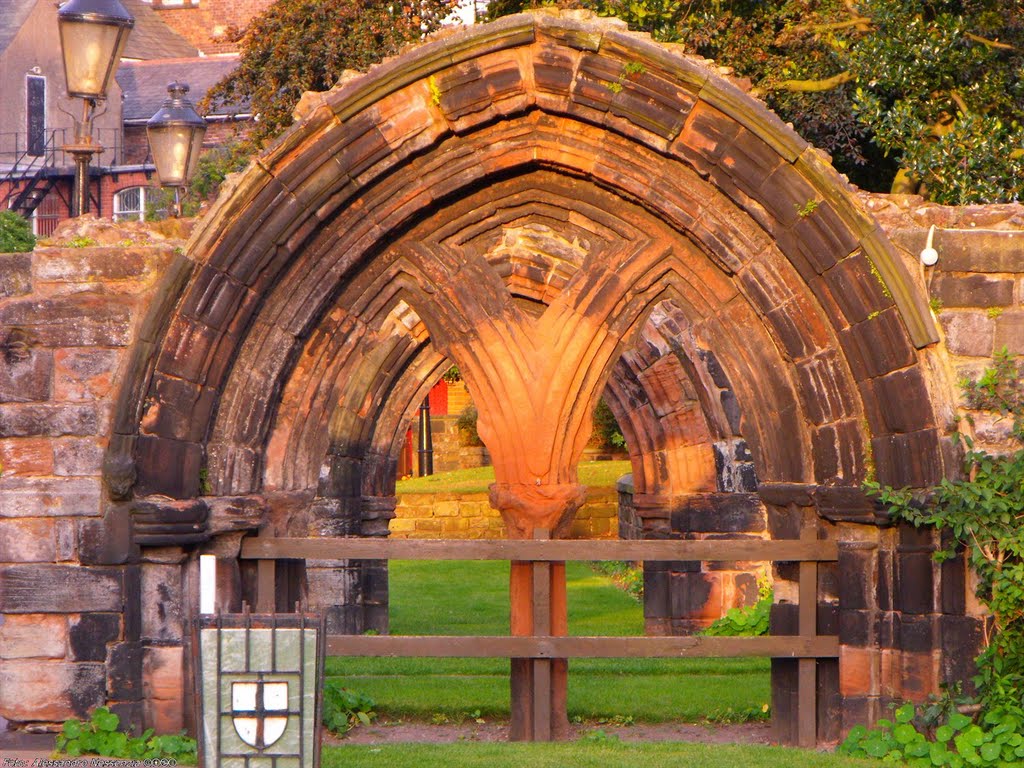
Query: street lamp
x=93, y=34
x=176, y=134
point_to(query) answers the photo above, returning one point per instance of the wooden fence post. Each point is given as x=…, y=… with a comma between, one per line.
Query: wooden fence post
x=807, y=683
x=541, y=628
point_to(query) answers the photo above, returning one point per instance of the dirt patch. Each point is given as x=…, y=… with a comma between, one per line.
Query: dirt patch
x=395, y=732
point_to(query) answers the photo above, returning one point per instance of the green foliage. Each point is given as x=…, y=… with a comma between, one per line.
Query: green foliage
x=749, y=620
x=344, y=709
x=452, y=376
x=205, y=488
x=599, y=736
x=100, y=736
x=212, y=169
x=807, y=208
x=305, y=45
x=15, y=233
x=607, y=433
x=81, y=241
x=923, y=96
x=957, y=741
x=160, y=203
x=1000, y=388
x=466, y=424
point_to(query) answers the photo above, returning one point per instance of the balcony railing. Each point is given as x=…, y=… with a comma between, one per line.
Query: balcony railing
x=16, y=159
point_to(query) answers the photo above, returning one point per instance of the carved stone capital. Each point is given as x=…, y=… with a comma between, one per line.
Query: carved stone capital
x=526, y=507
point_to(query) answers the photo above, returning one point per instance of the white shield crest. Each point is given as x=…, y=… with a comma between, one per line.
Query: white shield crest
x=259, y=711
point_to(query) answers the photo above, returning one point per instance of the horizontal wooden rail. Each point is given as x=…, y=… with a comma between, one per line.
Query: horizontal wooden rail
x=441, y=646
x=554, y=550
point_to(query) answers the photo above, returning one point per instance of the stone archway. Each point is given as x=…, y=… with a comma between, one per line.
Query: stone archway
x=557, y=205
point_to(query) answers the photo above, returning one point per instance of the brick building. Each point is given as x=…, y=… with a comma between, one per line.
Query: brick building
x=36, y=175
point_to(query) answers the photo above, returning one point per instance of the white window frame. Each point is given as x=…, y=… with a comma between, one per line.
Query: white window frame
x=120, y=214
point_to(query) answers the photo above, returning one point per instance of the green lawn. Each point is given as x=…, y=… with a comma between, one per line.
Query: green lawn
x=467, y=598
x=582, y=755
x=594, y=474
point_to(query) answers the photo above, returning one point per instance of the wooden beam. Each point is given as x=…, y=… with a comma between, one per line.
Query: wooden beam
x=554, y=550
x=448, y=646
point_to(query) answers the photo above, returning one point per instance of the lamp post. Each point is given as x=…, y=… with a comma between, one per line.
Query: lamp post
x=426, y=443
x=176, y=134
x=93, y=34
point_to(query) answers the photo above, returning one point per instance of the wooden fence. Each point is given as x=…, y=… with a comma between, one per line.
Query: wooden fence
x=807, y=646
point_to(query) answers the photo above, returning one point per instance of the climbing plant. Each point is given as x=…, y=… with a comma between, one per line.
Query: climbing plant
x=982, y=515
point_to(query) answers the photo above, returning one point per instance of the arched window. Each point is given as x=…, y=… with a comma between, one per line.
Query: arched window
x=130, y=204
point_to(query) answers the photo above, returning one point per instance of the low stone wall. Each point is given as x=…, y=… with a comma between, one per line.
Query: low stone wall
x=470, y=516
x=74, y=632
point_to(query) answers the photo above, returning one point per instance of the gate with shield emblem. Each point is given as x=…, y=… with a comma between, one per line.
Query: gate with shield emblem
x=258, y=685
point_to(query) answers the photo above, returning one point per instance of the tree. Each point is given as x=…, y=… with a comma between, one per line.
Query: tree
x=908, y=95
x=305, y=45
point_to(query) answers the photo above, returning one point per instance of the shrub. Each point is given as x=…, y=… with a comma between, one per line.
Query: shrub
x=466, y=424
x=15, y=233
x=344, y=709
x=749, y=620
x=958, y=741
x=100, y=736
x=607, y=433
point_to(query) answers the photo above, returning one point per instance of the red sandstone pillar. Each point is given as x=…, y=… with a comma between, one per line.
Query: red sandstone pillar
x=537, y=595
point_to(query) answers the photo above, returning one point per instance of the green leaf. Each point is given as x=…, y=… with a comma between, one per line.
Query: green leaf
x=105, y=720
x=72, y=729
x=990, y=752
x=905, y=713
x=876, y=747
x=958, y=721
x=904, y=733
x=974, y=736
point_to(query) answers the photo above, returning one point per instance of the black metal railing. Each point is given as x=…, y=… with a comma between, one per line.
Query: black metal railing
x=28, y=167
x=17, y=155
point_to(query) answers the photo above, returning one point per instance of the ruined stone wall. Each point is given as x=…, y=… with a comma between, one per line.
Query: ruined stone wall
x=79, y=627
x=976, y=287
x=71, y=627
